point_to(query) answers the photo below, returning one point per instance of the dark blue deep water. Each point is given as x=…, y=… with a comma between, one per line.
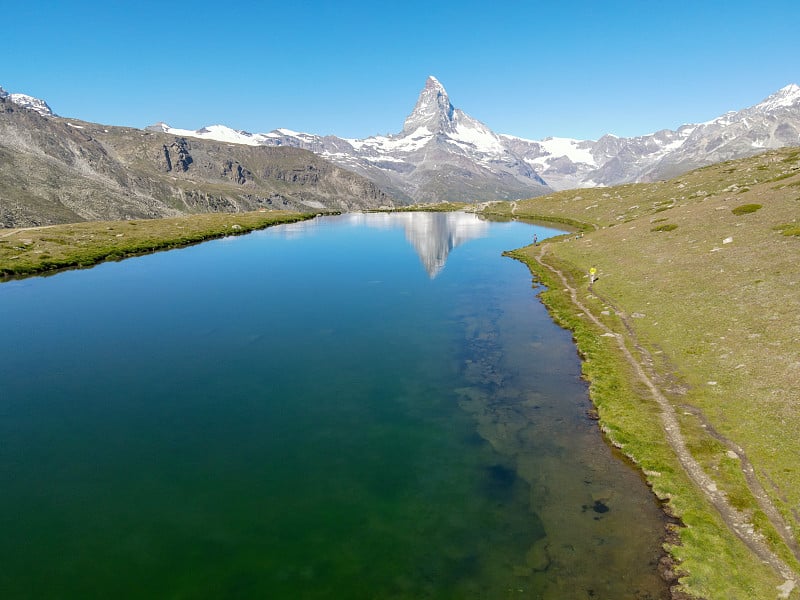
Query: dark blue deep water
x=364, y=406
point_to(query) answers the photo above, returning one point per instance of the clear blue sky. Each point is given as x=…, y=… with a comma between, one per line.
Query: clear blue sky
x=354, y=69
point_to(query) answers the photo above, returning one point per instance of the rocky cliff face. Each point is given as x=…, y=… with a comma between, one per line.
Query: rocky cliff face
x=433, y=110
x=55, y=170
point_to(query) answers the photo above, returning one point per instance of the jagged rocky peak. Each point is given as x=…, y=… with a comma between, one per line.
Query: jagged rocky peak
x=433, y=109
x=3, y=93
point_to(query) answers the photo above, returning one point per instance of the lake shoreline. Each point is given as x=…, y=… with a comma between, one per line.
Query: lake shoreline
x=613, y=384
x=555, y=299
x=45, y=250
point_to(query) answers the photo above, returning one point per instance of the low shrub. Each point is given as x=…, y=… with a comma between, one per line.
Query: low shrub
x=745, y=209
x=788, y=229
x=665, y=227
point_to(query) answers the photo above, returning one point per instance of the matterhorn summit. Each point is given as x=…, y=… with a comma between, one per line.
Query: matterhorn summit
x=433, y=110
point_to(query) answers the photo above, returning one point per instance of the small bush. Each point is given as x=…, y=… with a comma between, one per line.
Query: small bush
x=788, y=229
x=666, y=227
x=745, y=209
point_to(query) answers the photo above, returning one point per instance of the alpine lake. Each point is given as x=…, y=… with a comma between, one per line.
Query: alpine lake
x=365, y=406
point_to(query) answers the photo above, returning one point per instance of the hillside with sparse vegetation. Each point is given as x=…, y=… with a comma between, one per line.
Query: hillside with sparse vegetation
x=55, y=170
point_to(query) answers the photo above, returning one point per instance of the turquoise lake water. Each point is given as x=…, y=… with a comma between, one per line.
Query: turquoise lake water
x=363, y=406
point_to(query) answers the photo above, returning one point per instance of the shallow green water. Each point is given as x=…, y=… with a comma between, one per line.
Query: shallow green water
x=320, y=410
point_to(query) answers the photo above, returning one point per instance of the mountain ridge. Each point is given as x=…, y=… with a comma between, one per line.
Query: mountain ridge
x=57, y=170
x=438, y=136
x=443, y=154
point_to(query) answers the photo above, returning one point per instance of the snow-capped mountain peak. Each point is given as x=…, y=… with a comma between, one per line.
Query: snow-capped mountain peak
x=220, y=133
x=785, y=97
x=32, y=103
x=433, y=109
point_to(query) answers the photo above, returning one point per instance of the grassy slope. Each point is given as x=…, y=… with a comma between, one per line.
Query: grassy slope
x=715, y=302
x=38, y=250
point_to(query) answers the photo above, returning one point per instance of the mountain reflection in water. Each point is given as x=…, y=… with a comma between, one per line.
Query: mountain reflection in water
x=433, y=235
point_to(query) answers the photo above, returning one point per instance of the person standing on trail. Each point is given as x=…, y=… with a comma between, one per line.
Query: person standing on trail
x=535, y=239
x=592, y=275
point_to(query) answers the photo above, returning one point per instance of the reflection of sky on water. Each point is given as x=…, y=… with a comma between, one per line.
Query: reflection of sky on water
x=433, y=235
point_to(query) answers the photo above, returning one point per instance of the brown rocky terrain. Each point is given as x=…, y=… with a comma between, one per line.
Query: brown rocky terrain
x=57, y=170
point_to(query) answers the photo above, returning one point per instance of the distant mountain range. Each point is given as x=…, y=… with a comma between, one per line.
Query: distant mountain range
x=443, y=154
x=54, y=169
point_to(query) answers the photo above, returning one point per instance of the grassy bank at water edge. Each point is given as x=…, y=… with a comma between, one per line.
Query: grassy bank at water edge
x=691, y=342
x=39, y=250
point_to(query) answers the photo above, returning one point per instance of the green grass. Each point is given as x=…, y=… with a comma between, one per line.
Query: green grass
x=504, y=210
x=39, y=250
x=665, y=227
x=745, y=209
x=716, y=304
x=789, y=229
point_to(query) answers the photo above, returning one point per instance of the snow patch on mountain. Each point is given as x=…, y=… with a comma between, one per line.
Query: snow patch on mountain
x=219, y=133
x=29, y=102
x=410, y=142
x=575, y=150
x=785, y=97
x=479, y=136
